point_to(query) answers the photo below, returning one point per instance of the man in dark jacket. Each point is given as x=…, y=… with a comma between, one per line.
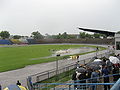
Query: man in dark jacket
x=94, y=76
x=81, y=77
x=116, y=71
x=74, y=78
x=105, y=72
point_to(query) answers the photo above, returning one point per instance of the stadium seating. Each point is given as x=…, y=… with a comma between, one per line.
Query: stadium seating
x=8, y=42
x=31, y=41
x=16, y=41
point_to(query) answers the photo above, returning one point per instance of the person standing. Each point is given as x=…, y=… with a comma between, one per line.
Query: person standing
x=95, y=74
x=18, y=82
x=109, y=65
x=74, y=78
x=105, y=72
x=81, y=77
x=116, y=71
x=0, y=87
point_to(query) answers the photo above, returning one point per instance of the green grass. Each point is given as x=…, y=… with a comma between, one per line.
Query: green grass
x=18, y=57
x=60, y=78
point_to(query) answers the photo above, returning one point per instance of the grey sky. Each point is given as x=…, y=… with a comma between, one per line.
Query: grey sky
x=58, y=16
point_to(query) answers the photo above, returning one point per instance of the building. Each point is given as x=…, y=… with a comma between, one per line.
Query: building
x=117, y=44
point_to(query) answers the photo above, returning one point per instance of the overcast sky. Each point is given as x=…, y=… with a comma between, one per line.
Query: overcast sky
x=22, y=17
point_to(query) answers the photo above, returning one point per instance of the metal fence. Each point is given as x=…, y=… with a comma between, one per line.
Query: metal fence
x=82, y=86
x=50, y=73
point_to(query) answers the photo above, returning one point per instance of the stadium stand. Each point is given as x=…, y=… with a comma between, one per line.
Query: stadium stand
x=23, y=41
x=15, y=41
x=31, y=41
x=8, y=42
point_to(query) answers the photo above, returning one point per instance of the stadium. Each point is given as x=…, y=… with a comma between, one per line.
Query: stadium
x=59, y=45
x=52, y=66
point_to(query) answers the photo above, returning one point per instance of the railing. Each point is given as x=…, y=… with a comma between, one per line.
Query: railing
x=69, y=86
x=81, y=86
x=50, y=73
x=116, y=86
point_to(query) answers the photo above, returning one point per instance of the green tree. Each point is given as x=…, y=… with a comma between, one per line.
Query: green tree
x=37, y=35
x=16, y=36
x=64, y=35
x=4, y=34
x=58, y=36
x=82, y=35
x=103, y=35
x=89, y=35
x=96, y=35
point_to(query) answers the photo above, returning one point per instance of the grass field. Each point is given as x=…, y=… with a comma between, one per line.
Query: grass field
x=17, y=57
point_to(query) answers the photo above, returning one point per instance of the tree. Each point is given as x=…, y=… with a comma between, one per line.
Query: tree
x=5, y=34
x=16, y=36
x=82, y=34
x=89, y=35
x=64, y=35
x=104, y=35
x=37, y=35
x=96, y=35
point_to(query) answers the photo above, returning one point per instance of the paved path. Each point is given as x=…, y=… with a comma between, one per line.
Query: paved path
x=10, y=77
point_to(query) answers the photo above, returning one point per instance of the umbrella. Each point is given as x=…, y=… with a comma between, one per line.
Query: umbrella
x=15, y=87
x=95, y=63
x=96, y=67
x=114, y=60
x=81, y=70
x=97, y=60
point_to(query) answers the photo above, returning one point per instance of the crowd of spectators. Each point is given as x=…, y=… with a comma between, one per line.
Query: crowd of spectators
x=93, y=71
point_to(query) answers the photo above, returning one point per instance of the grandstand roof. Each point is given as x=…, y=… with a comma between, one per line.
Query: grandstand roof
x=108, y=33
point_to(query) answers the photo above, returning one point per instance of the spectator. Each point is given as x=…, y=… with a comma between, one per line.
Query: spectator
x=94, y=76
x=116, y=71
x=74, y=78
x=105, y=72
x=18, y=83
x=88, y=74
x=118, y=56
x=104, y=62
x=109, y=65
x=81, y=77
